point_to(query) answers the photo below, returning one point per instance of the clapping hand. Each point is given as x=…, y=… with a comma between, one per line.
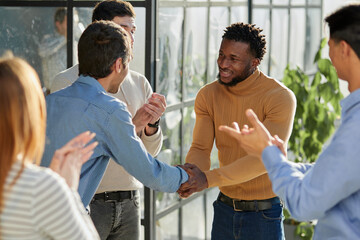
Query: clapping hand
x=156, y=106
x=68, y=160
x=253, y=140
x=149, y=113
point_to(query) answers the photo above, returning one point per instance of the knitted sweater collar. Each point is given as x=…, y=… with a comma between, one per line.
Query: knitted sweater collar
x=246, y=86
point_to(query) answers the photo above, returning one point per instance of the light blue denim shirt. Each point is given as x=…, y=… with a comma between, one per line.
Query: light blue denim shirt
x=86, y=106
x=329, y=190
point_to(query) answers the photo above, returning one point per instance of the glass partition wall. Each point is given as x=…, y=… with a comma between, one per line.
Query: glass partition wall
x=176, y=47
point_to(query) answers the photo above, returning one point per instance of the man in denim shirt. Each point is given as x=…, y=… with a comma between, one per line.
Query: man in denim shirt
x=104, y=52
x=328, y=190
x=118, y=193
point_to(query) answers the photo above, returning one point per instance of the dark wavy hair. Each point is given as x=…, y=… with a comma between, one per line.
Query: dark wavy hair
x=344, y=24
x=99, y=46
x=60, y=14
x=247, y=33
x=108, y=9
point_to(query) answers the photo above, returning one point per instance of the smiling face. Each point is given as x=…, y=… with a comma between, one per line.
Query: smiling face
x=128, y=24
x=235, y=62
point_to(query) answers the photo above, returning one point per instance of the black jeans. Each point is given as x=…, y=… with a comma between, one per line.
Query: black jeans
x=116, y=220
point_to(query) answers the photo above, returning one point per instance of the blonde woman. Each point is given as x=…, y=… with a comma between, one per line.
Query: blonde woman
x=36, y=203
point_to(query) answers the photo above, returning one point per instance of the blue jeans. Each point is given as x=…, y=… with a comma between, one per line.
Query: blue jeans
x=262, y=225
x=115, y=219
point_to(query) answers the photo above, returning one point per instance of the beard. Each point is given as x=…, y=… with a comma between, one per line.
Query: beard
x=237, y=79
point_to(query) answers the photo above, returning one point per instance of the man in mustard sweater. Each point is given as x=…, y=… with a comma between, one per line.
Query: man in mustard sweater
x=246, y=207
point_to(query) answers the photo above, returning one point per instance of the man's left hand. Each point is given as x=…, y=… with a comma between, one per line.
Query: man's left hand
x=155, y=107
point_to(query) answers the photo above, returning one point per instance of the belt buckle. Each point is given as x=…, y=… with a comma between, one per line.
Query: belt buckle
x=234, y=206
x=106, y=196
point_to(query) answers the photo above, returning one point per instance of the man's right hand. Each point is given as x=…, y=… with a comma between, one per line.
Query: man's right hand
x=196, y=183
x=149, y=113
x=141, y=119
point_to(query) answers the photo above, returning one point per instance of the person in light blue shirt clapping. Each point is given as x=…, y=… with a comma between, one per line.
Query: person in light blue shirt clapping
x=328, y=190
x=104, y=52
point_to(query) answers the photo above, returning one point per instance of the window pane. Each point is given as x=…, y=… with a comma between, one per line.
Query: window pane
x=262, y=19
x=279, y=42
x=239, y=14
x=298, y=2
x=167, y=227
x=30, y=33
x=314, y=2
x=129, y=1
x=195, y=50
x=31, y=0
x=214, y=157
x=189, y=123
x=138, y=63
x=297, y=37
x=218, y=22
x=313, y=28
x=142, y=232
x=261, y=1
x=170, y=53
x=193, y=221
x=280, y=2
x=211, y=196
x=81, y=19
x=170, y=153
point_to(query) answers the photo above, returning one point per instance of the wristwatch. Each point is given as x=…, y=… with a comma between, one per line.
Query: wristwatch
x=155, y=124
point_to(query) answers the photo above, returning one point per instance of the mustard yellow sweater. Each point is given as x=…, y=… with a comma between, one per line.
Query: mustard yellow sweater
x=239, y=175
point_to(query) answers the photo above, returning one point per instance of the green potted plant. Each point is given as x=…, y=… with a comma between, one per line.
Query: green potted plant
x=317, y=109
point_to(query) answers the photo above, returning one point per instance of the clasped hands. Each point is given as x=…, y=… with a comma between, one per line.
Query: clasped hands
x=253, y=140
x=196, y=183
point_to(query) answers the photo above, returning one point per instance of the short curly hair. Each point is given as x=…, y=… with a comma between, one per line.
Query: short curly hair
x=247, y=33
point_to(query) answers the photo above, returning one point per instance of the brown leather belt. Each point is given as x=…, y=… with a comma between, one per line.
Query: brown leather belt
x=115, y=196
x=248, y=205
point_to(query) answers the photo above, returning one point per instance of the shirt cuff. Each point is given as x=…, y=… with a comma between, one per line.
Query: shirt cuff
x=184, y=175
x=212, y=177
x=271, y=157
x=152, y=137
x=152, y=143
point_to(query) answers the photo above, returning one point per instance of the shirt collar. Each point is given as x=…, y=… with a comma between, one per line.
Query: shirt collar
x=90, y=81
x=350, y=101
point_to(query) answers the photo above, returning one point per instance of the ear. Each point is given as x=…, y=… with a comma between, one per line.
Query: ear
x=57, y=25
x=345, y=49
x=255, y=62
x=118, y=65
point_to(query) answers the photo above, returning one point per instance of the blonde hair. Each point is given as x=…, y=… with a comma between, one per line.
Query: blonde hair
x=23, y=117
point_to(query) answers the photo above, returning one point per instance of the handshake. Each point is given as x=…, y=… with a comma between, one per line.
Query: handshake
x=196, y=183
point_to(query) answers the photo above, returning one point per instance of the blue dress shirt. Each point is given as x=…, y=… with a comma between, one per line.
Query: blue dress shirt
x=85, y=105
x=328, y=190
